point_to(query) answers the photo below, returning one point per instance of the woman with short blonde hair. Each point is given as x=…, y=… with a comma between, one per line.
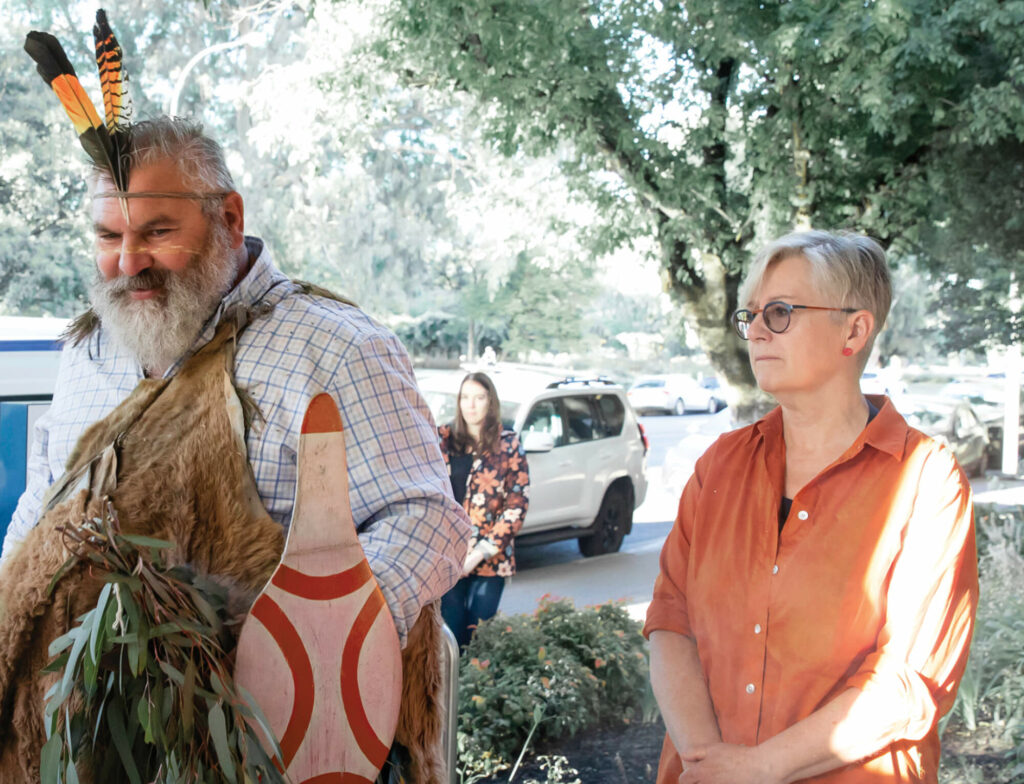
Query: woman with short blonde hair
x=814, y=608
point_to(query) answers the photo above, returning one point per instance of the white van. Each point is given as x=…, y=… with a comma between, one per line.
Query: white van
x=29, y=358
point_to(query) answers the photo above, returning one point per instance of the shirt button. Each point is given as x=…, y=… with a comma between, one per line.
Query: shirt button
x=775, y=569
x=750, y=688
x=802, y=514
x=757, y=628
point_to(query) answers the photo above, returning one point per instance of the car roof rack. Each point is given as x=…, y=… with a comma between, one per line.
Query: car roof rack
x=582, y=381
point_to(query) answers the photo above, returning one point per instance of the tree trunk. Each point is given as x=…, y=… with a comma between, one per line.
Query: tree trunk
x=708, y=306
x=471, y=341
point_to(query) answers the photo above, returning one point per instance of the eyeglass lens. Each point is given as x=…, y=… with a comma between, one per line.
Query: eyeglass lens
x=775, y=315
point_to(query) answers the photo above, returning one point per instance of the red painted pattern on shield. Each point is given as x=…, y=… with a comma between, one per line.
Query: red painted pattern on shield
x=267, y=612
x=375, y=750
x=322, y=416
x=331, y=586
x=338, y=778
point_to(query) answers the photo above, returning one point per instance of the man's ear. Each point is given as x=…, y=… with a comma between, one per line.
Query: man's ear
x=861, y=326
x=233, y=211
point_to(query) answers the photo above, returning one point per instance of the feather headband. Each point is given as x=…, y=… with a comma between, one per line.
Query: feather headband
x=106, y=141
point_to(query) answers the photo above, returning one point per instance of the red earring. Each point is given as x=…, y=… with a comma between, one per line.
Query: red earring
x=847, y=351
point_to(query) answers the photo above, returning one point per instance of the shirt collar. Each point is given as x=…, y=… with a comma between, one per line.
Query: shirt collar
x=887, y=432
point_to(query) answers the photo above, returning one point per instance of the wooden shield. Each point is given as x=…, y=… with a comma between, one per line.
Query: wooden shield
x=319, y=650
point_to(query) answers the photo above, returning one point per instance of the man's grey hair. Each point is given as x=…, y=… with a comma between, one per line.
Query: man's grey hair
x=199, y=158
x=848, y=270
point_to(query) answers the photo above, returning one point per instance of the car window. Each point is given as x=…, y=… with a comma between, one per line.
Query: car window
x=509, y=409
x=581, y=419
x=653, y=383
x=441, y=405
x=613, y=413
x=545, y=417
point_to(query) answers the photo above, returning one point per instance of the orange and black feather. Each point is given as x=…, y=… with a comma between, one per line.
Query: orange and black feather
x=115, y=99
x=112, y=78
x=53, y=65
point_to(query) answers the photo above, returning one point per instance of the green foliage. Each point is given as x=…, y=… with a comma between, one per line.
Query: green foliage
x=359, y=183
x=547, y=676
x=607, y=641
x=990, y=701
x=711, y=126
x=145, y=691
x=557, y=770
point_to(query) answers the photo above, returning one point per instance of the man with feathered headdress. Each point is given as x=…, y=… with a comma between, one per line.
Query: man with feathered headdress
x=172, y=257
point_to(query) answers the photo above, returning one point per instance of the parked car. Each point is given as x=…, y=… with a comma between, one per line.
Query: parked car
x=676, y=394
x=586, y=451
x=953, y=422
x=987, y=399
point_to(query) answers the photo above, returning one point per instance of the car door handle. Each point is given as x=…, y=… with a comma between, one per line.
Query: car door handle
x=565, y=464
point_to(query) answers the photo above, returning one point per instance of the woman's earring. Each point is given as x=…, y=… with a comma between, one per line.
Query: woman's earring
x=847, y=351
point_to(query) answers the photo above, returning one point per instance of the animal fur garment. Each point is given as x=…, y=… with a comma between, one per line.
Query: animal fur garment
x=172, y=460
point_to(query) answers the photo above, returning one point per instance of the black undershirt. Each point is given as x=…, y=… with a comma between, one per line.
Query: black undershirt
x=787, y=503
x=460, y=467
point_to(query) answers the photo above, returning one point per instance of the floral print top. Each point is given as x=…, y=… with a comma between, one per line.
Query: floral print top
x=497, y=494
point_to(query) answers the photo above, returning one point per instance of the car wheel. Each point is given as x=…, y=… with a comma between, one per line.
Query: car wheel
x=609, y=526
x=712, y=405
x=679, y=408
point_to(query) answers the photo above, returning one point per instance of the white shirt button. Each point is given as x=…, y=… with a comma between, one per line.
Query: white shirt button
x=775, y=569
x=757, y=628
x=750, y=688
x=802, y=514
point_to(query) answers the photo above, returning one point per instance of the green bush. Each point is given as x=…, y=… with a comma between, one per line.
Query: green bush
x=547, y=676
x=990, y=701
x=606, y=640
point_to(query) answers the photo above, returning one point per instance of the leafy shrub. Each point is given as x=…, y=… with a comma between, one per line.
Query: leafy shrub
x=990, y=701
x=606, y=640
x=1000, y=527
x=547, y=676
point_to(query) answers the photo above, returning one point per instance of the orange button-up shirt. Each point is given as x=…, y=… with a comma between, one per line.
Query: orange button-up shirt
x=873, y=582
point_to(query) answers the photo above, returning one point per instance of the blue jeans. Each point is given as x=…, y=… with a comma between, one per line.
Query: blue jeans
x=473, y=599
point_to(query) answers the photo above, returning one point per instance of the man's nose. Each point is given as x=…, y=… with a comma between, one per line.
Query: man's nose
x=134, y=257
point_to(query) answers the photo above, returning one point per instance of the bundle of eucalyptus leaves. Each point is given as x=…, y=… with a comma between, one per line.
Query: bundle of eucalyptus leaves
x=145, y=693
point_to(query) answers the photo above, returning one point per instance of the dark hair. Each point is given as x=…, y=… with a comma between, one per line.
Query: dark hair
x=490, y=428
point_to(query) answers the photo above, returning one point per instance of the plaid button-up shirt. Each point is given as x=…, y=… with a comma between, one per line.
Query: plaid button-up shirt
x=412, y=531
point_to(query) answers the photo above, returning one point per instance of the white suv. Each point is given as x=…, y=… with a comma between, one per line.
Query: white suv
x=586, y=452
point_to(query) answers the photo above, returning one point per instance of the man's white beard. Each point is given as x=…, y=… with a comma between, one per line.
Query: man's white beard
x=159, y=330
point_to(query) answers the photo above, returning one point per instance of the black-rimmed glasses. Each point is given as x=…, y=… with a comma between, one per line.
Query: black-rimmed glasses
x=776, y=315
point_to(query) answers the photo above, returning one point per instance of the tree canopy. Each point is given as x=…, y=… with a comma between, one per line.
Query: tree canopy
x=376, y=189
x=460, y=167
x=714, y=125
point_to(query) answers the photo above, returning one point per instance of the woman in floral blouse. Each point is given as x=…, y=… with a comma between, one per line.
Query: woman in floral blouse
x=490, y=479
